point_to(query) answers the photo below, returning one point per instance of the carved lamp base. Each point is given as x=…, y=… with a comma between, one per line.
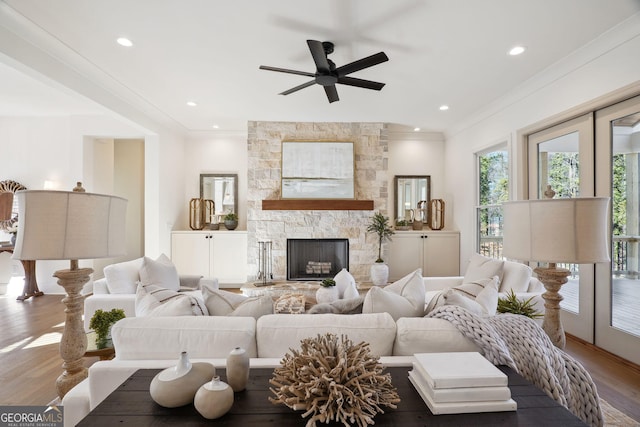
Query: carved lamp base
x=553, y=278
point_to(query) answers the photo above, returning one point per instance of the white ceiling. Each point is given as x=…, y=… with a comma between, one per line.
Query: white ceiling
x=450, y=52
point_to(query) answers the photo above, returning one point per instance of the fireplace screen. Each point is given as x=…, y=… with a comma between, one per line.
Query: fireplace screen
x=316, y=259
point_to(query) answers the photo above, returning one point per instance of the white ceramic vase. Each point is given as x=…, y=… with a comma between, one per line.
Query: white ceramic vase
x=327, y=294
x=176, y=386
x=379, y=274
x=213, y=399
x=238, y=369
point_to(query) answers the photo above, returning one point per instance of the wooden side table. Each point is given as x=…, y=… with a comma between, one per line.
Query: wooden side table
x=30, y=285
x=106, y=353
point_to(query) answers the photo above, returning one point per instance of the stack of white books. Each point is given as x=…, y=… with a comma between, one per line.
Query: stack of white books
x=456, y=383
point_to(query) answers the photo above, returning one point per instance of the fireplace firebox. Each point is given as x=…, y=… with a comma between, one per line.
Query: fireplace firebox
x=316, y=259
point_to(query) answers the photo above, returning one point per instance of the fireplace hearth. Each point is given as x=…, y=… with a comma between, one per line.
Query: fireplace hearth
x=316, y=259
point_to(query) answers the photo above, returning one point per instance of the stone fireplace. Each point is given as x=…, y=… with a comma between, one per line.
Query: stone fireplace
x=264, y=174
x=316, y=259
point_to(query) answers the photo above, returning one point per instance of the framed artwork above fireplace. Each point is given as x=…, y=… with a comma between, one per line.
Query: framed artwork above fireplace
x=318, y=170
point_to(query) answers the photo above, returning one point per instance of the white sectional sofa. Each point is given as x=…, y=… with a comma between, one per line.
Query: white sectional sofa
x=156, y=342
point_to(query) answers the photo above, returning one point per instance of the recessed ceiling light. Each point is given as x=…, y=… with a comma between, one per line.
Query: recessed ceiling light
x=123, y=41
x=416, y=129
x=215, y=126
x=517, y=50
x=444, y=107
x=191, y=104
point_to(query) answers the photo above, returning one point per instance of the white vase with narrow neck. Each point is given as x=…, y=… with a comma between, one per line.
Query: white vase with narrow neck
x=213, y=399
x=238, y=369
x=379, y=273
x=181, y=369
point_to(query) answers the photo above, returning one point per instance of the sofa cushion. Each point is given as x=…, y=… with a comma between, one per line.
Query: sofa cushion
x=166, y=337
x=160, y=272
x=403, y=298
x=428, y=335
x=224, y=303
x=123, y=277
x=481, y=267
x=276, y=334
x=154, y=300
x=515, y=276
x=346, y=284
x=479, y=296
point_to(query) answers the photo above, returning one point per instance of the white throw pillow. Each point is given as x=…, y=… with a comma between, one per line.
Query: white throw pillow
x=483, y=295
x=481, y=267
x=403, y=298
x=346, y=285
x=515, y=276
x=224, y=303
x=123, y=277
x=160, y=272
x=153, y=300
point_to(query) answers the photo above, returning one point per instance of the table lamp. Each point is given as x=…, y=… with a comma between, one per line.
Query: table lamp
x=573, y=231
x=70, y=225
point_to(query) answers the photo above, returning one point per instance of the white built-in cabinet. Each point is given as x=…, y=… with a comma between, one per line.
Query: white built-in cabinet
x=215, y=254
x=436, y=252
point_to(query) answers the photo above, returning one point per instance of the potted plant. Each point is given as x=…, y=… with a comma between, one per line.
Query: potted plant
x=511, y=304
x=101, y=323
x=328, y=291
x=231, y=221
x=380, y=225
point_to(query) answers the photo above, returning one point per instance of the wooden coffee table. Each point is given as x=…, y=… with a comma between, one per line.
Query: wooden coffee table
x=131, y=405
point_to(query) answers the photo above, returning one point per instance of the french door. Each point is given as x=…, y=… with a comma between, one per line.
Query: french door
x=617, y=310
x=562, y=157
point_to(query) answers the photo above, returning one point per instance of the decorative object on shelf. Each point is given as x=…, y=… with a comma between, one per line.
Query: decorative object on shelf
x=209, y=207
x=9, y=204
x=380, y=225
x=70, y=225
x=572, y=231
x=265, y=274
x=231, y=221
x=292, y=303
x=423, y=211
x=417, y=224
x=332, y=379
x=510, y=303
x=327, y=292
x=437, y=214
x=101, y=323
x=177, y=386
x=213, y=399
x=238, y=369
x=402, y=224
x=196, y=214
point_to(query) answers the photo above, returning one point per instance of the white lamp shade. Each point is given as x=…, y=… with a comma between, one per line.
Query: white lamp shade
x=65, y=225
x=557, y=230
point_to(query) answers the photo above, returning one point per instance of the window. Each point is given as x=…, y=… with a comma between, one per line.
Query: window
x=493, y=189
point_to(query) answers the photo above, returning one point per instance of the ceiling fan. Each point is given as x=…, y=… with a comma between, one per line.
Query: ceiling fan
x=327, y=75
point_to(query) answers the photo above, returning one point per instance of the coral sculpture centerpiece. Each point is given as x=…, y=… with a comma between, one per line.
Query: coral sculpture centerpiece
x=332, y=379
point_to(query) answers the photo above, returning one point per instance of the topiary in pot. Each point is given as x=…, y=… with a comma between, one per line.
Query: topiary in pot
x=380, y=225
x=511, y=304
x=101, y=323
x=231, y=221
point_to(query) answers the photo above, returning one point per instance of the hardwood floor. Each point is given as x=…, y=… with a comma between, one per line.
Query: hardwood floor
x=30, y=362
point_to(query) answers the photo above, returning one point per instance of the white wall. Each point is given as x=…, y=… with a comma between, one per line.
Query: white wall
x=600, y=68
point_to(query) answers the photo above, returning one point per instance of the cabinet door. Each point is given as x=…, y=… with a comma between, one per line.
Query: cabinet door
x=404, y=254
x=441, y=254
x=190, y=253
x=229, y=257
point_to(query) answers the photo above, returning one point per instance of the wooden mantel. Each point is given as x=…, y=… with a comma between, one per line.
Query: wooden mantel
x=317, y=205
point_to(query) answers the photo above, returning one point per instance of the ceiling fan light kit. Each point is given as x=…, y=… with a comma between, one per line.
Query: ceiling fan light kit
x=327, y=75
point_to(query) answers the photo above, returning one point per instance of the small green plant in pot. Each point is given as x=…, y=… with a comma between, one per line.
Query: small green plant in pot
x=328, y=282
x=380, y=225
x=512, y=304
x=231, y=221
x=327, y=292
x=101, y=323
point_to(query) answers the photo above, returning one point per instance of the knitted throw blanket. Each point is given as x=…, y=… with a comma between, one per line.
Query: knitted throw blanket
x=518, y=342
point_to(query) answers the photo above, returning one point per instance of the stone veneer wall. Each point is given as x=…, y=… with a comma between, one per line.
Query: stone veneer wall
x=264, y=173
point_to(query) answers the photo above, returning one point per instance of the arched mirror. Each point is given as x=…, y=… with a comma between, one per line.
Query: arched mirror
x=222, y=189
x=412, y=194
x=9, y=203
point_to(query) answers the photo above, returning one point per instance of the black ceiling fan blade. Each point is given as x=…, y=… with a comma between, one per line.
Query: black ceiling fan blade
x=285, y=70
x=367, y=84
x=332, y=93
x=297, y=88
x=361, y=64
x=319, y=56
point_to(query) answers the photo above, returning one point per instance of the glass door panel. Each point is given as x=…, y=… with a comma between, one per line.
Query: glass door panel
x=618, y=292
x=561, y=159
